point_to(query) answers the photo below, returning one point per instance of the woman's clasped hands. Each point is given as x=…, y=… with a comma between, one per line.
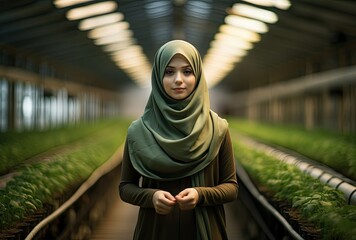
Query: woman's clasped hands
x=164, y=201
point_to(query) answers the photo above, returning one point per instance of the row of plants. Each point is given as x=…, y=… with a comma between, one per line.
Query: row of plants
x=305, y=199
x=41, y=183
x=333, y=149
x=16, y=147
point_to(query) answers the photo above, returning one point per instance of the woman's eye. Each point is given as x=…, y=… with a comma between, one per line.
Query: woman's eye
x=168, y=72
x=188, y=72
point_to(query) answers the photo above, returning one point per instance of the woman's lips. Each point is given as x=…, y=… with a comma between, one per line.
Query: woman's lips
x=178, y=89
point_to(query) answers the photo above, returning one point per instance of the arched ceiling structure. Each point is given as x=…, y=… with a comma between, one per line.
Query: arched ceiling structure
x=303, y=30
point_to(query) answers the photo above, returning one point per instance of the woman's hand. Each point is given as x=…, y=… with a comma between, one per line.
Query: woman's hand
x=163, y=202
x=187, y=199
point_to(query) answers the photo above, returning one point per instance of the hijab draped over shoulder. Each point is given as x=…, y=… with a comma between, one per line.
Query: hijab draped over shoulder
x=175, y=138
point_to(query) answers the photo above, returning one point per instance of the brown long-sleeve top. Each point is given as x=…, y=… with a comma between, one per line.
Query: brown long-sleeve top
x=220, y=187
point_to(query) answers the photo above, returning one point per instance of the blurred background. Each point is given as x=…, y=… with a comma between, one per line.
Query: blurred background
x=283, y=61
x=75, y=73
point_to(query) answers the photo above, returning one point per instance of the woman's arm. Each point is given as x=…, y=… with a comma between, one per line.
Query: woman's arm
x=226, y=188
x=129, y=188
x=131, y=192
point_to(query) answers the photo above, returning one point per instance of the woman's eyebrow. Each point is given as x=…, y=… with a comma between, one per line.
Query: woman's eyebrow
x=185, y=66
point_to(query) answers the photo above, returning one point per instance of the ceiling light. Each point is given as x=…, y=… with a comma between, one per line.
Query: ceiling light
x=118, y=46
x=240, y=32
x=107, y=30
x=226, y=40
x=128, y=61
x=234, y=38
x=95, y=22
x=281, y=4
x=223, y=68
x=114, y=38
x=254, y=12
x=67, y=3
x=227, y=59
x=215, y=72
x=131, y=51
x=91, y=10
x=225, y=50
x=246, y=23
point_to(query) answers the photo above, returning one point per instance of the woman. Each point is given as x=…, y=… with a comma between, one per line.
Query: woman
x=178, y=163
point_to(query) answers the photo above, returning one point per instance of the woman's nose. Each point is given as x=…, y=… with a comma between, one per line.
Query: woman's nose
x=178, y=78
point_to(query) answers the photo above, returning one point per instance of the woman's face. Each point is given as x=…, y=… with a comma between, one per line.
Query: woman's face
x=179, y=80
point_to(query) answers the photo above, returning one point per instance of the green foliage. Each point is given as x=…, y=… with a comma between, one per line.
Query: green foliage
x=16, y=147
x=41, y=182
x=335, y=150
x=320, y=204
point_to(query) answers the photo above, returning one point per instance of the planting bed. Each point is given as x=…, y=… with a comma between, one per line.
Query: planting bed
x=42, y=169
x=316, y=210
x=332, y=149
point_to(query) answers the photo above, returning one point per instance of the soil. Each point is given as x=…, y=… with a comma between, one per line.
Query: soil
x=306, y=229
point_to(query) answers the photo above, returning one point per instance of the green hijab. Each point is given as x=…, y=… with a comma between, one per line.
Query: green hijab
x=175, y=138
